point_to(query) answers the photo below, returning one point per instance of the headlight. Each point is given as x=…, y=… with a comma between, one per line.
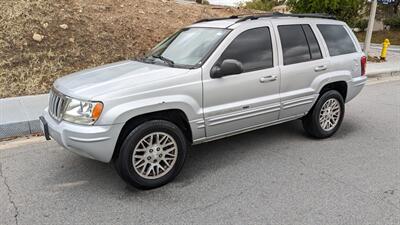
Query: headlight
x=82, y=112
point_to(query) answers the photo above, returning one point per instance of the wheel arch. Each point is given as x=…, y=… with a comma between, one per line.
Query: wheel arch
x=337, y=80
x=340, y=86
x=176, y=116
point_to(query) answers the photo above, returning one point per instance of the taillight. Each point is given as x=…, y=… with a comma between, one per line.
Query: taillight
x=363, y=65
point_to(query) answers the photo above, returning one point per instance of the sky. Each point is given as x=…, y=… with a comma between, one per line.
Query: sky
x=226, y=2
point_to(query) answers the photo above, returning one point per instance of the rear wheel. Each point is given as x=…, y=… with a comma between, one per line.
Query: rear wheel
x=325, y=118
x=152, y=154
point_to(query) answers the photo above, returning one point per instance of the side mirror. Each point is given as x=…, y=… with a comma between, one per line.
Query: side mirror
x=227, y=67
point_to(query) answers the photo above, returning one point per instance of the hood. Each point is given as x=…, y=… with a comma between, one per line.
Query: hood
x=88, y=84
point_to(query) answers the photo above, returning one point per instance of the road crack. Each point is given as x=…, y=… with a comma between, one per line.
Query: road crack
x=324, y=174
x=206, y=206
x=9, y=193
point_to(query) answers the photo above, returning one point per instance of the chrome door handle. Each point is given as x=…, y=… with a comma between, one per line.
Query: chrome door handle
x=320, y=68
x=268, y=78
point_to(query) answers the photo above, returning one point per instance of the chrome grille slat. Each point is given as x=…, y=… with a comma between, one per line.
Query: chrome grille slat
x=54, y=104
x=50, y=97
x=57, y=104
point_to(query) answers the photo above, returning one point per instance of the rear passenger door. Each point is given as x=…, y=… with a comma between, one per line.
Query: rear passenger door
x=301, y=61
x=344, y=51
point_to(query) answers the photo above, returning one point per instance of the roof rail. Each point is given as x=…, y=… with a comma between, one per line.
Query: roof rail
x=278, y=14
x=213, y=19
x=245, y=17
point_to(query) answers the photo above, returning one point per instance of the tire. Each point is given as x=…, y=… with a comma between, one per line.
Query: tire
x=153, y=143
x=312, y=123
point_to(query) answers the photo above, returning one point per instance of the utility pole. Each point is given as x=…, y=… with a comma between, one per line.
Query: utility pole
x=370, y=26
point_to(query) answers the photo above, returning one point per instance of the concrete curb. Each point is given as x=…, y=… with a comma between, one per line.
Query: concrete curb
x=384, y=68
x=19, y=116
x=388, y=73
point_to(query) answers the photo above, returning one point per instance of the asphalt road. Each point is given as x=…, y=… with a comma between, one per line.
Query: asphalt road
x=275, y=175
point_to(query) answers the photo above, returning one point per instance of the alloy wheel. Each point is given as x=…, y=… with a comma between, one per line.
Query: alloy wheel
x=155, y=155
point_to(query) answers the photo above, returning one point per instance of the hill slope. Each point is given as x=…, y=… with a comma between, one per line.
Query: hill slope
x=77, y=34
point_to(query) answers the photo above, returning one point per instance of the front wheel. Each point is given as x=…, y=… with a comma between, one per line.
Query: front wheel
x=152, y=154
x=325, y=118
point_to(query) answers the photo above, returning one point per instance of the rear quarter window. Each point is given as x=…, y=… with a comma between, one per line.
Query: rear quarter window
x=337, y=39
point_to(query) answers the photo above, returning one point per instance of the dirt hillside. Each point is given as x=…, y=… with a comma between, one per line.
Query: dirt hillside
x=41, y=40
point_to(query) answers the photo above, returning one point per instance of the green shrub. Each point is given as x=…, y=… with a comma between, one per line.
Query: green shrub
x=263, y=5
x=393, y=22
x=258, y=5
x=362, y=24
x=346, y=10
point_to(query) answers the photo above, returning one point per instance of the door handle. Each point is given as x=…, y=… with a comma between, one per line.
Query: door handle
x=268, y=78
x=320, y=68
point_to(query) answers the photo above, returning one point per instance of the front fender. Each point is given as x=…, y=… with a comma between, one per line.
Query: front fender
x=123, y=112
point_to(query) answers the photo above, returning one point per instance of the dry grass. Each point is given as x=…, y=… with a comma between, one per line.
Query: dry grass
x=99, y=32
x=379, y=36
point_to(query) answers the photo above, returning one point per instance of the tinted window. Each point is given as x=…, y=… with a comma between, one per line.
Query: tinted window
x=294, y=44
x=337, y=39
x=312, y=42
x=252, y=48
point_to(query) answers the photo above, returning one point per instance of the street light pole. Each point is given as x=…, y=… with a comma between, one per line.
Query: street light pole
x=370, y=26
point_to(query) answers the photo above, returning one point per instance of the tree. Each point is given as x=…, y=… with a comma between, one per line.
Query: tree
x=346, y=10
x=390, y=10
x=264, y=5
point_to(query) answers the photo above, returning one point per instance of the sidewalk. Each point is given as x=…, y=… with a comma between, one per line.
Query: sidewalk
x=389, y=68
x=19, y=115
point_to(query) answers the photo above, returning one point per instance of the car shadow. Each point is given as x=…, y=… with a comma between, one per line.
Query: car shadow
x=202, y=160
x=209, y=157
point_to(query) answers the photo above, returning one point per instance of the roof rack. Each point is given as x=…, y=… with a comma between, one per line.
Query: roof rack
x=245, y=17
x=220, y=18
x=278, y=14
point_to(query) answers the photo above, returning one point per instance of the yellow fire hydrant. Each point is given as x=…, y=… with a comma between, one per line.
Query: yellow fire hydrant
x=385, y=46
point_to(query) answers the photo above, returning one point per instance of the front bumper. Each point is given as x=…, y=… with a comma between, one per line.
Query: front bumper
x=354, y=87
x=95, y=142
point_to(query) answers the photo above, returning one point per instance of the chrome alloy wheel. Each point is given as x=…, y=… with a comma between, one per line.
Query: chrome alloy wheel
x=329, y=114
x=155, y=155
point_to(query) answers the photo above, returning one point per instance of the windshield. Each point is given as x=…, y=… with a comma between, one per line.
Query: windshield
x=188, y=47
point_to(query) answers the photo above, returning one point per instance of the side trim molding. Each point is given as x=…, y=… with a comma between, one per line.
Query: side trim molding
x=235, y=132
x=217, y=120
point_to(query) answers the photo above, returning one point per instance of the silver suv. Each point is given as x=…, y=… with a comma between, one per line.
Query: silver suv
x=213, y=79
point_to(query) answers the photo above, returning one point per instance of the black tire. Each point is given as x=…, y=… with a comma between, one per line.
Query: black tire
x=311, y=122
x=124, y=164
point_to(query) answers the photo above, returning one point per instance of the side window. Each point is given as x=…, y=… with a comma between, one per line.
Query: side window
x=253, y=48
x=337, y=39
x=298, y=44
x=315, y=51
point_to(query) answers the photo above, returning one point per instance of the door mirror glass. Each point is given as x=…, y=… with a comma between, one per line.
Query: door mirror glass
x=227, y=67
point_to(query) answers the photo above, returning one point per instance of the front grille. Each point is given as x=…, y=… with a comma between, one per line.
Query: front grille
x=57, y=104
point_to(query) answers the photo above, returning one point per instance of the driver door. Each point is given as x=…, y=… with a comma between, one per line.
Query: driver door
x=236, y=102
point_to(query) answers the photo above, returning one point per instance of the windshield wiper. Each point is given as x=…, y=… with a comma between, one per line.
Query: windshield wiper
x=168, y=61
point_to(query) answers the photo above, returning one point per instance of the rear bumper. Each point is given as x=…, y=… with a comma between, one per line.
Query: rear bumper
x=95, y=142
x=354, y=87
